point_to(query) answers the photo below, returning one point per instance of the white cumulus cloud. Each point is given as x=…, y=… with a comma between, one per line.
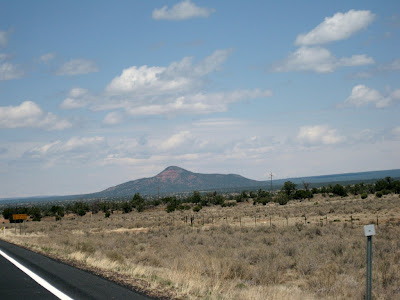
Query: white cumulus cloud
x=77, y=67
x=339, y=27
x=319, y=60
x=176, y=77
x=77, y=98
x=318, y=134
x=176, y=140
x=144, y=80
x=29, y=114
x=182, y=11
x=362, y=95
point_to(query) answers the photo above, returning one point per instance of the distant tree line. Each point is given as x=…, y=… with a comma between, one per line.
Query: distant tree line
x=196, y=201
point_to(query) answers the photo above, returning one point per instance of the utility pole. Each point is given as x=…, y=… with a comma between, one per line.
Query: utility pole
x=271, y=181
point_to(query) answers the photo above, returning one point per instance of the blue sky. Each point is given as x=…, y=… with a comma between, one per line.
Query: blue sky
x=96, y=93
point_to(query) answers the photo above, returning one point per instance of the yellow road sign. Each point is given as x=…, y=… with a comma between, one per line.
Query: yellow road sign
x=20, y=216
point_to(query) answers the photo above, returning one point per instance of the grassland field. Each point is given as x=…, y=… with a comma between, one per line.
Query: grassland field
x=314, y=249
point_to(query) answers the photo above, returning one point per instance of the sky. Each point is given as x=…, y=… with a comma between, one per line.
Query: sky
x=97, y=93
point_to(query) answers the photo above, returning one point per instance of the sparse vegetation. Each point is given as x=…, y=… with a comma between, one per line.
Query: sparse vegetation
x=294, y=251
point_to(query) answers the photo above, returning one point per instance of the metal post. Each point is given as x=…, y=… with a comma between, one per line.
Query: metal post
x=368, y=294
x=369, y=231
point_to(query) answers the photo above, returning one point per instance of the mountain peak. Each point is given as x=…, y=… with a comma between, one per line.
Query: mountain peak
x=173, y=174
x=173, y=168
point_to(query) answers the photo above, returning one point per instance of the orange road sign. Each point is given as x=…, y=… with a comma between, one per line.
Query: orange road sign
x=20, y=216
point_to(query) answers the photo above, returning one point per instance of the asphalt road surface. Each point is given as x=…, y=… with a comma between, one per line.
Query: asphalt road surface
x=75, y=283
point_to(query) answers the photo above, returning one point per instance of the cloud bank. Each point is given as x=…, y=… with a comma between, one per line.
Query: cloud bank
x=310, y=56
x=29, y=115
x=163, y=90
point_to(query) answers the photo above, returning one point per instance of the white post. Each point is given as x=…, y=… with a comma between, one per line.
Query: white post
x=369, y=231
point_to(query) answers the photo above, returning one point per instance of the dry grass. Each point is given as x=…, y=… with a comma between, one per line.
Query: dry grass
x=309, y=250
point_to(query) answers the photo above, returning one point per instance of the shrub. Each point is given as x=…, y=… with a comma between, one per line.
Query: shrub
x=379, y=194
x=302, y=194
x=228, y=204
x=138, y=202
x=281, y=198
x=364, y=196
x=197, y=208
x=170, y=207
x=126, y=207
x=339, y=190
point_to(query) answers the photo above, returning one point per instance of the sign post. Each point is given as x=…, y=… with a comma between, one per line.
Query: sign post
x=19, y=217
x=369, y=231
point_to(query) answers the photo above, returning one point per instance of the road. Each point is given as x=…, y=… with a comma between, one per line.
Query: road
x=75, y=283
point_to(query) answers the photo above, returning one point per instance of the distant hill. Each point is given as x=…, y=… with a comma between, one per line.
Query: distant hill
x=177, y=180
x=174, y=180
x=347, y=178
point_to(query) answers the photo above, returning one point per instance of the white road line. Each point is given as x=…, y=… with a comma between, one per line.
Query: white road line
x=37, y=278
